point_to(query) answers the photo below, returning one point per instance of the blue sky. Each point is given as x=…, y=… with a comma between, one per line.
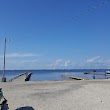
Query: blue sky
x=50, y=34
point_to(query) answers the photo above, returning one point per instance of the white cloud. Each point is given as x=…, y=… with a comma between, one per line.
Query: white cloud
x=67, y=63
x=12, y=55
x=20, y=64
x=61, y=64
x=59, y=61
x=97, y=62
x=94, y=59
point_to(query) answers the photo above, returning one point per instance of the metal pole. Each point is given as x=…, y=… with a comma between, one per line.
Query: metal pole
x=3, y=78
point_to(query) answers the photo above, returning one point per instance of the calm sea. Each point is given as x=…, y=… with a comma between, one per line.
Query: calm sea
x=41, y=75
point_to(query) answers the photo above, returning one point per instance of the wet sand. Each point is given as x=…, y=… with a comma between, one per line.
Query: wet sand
x=58, y=95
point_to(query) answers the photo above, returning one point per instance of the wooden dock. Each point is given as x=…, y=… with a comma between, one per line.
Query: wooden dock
x=21, y=77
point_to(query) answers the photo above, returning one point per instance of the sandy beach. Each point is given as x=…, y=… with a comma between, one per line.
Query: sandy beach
x=58, y=95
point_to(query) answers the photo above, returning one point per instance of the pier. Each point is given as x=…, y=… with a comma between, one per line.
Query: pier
x=21, y=77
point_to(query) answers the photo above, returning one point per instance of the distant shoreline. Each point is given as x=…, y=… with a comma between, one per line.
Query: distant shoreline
x=58, y=70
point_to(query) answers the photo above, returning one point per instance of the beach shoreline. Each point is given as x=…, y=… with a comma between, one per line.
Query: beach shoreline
x=58, y=95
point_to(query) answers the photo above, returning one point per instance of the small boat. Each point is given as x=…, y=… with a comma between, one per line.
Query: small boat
x=107, y=72
x=86, y=73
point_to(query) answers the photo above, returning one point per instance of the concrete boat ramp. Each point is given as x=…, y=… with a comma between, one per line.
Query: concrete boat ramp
x=21, y=77
x=72, y=77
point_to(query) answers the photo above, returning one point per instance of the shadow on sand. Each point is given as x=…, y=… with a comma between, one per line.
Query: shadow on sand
x=25, y=108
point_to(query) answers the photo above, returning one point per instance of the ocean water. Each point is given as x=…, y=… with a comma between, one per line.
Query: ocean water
x=41, y=75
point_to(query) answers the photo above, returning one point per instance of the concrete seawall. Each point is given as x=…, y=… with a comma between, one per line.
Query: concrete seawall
x=21, y=77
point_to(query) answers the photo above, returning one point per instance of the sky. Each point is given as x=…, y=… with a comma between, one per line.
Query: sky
x=55, y=34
